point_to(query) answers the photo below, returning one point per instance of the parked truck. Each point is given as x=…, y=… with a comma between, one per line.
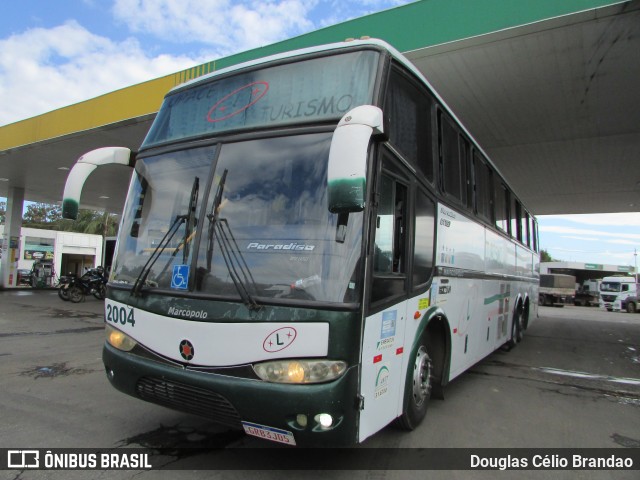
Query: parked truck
x=619, y=293
x=588, y=294
x=556, y=289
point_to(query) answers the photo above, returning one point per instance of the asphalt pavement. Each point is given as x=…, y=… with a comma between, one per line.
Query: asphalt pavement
x=574, y=382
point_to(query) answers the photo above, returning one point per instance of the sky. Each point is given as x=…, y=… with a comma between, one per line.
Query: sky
x=55, y=53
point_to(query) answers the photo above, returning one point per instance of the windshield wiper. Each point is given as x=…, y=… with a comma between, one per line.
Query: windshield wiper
x=190, y=219
x=233, y=259
x=236, y=264
x=213, y=217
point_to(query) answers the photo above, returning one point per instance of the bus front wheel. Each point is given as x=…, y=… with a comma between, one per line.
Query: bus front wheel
x=418, y=390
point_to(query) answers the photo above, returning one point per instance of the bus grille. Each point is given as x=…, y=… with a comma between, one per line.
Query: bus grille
x=187, y=398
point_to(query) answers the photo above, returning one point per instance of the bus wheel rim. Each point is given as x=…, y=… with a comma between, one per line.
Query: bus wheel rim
x=421, y=377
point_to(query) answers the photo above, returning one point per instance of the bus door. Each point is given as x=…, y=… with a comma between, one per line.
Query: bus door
x=382, y=378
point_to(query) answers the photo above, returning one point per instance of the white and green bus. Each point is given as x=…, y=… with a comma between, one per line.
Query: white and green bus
x=311, y=248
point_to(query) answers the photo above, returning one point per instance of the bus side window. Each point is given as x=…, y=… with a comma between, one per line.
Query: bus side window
x=483, y=187
x=534, y=235
x=516, y=215
x=467, y=174
x=425, y=212
x=501, y=208
x=525, y=228
x=408, y=111
x=390, y=246
x=452, y=172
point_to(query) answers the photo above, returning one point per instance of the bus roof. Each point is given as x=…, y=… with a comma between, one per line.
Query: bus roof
x=296, y=53
x=350, y=43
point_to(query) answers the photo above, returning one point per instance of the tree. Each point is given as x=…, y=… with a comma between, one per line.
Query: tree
x=545, y=257
x=42, y=215
x=89, y=221
x=49, y=217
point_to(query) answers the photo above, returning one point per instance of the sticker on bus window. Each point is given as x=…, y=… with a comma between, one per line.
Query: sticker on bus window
x=180, y=277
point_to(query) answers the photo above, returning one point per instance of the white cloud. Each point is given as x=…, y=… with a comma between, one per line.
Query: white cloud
x=43, y=69
x=227, y=26
x=627, y=219
x=622, y=242
x=592, y=233
x=586, y=239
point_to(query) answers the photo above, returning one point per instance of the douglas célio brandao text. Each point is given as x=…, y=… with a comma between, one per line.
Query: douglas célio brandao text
x=533, y=462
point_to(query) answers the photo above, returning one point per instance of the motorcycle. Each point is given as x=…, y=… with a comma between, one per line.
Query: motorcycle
x=93, y=282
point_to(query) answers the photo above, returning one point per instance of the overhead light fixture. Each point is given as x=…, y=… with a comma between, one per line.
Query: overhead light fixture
x=103, y=196
x=4, y=179
x=63, y=168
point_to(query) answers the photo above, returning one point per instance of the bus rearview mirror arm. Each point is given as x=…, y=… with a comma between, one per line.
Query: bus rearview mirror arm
x=347, y=168
x=85, y=165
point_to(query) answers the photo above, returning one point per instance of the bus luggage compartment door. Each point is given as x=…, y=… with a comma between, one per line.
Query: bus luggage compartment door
x=382, y=378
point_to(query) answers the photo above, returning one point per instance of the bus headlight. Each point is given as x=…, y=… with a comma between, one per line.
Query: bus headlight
x=300, y=371
x=119, y=340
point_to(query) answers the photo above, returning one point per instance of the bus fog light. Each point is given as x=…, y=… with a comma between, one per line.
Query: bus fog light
x=118, y=339
x=300, y=371
x=301, y=418
x=324, y=419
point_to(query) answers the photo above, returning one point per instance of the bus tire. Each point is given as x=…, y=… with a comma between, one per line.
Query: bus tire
x=516, y=330
x=418, y=390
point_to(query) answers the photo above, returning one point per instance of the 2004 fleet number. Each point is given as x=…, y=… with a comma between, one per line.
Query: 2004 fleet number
x=120, y=315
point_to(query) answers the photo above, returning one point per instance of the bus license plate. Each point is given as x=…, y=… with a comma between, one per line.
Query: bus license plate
x=268, y=433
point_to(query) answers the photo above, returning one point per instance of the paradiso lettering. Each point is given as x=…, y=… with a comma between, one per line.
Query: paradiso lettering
x=280, y=246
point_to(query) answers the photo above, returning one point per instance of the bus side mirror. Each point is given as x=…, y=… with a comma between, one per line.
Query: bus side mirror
x=347, y=169
x=86, y=164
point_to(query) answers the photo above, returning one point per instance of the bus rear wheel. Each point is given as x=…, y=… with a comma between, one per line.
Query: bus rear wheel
x=517, y=330
x=418, y=390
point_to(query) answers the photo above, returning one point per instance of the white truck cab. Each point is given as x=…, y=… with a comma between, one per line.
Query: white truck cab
x=615, y=291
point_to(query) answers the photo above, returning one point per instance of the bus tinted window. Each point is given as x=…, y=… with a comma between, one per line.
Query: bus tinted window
x=501, y=208
x=483, y=187
x=516, y=213
x=408, y=111
x=311, y=90
x=466, y=172
x=389, y=258
x=524, y=227
x=423, y=238
x=450, y=159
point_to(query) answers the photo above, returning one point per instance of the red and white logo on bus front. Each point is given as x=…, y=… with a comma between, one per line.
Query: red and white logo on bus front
x=279, y=339
x=186, y=350
x=237, y=101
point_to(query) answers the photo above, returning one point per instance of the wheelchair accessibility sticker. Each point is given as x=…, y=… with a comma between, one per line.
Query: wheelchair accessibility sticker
x=180, y=277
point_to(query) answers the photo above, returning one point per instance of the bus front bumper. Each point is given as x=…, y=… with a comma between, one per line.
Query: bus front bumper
x=231, y=400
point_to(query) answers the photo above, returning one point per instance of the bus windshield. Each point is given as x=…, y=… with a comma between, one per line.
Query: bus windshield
x=314, y=90
x=264, y=227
